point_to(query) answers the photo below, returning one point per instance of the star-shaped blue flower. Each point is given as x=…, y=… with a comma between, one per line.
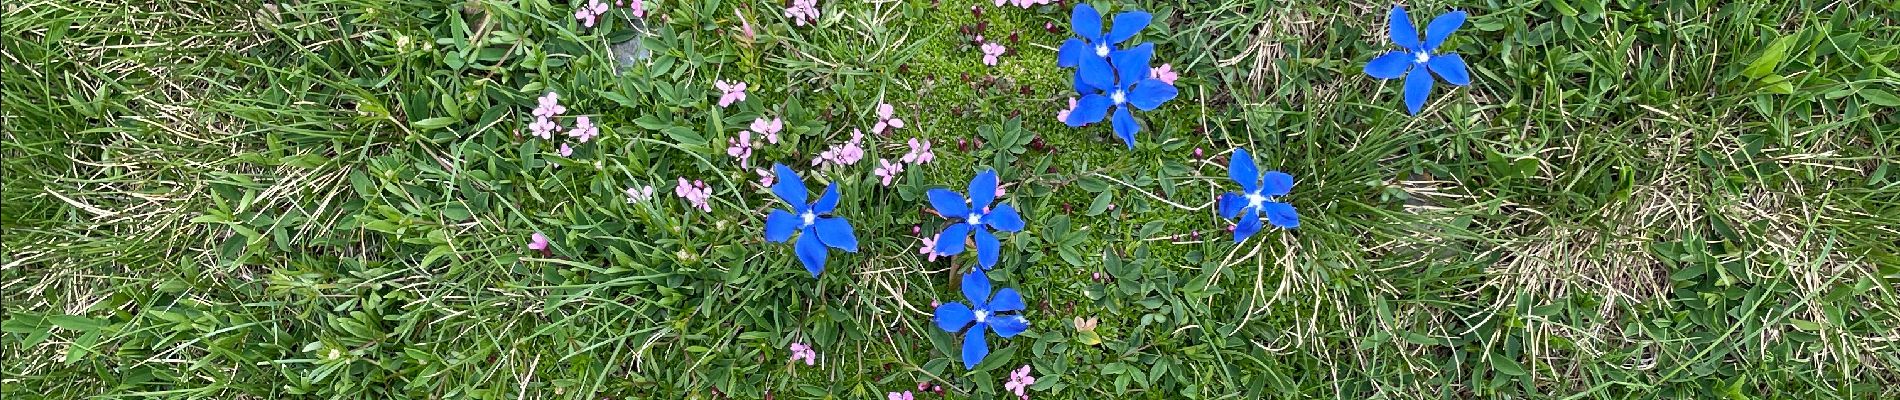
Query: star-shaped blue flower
x=974, y=216
x=1413, y=57
x=1000, y=313
x=1090, y=41
x=820, y=227
x=1256, y=197
x=1123, y=83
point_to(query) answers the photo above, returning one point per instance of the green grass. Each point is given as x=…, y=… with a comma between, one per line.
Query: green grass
x=329, y=199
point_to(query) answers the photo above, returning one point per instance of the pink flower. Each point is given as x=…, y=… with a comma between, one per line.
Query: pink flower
x=1063, y=116
x=990, y=52
x=766, y=178
x=886, y=119
x=696, y=193
x=930, y=249
x=847, y=153
x=565, y=151
x=887, y=170
x=1023, y=3
x=915, y=229
x=543, y=127
x=905, y=395
x=639, y=194
x=730, y=92
x=549, y=106
x=639, y=8
x=802, y=12
x=802, y=351
x=538, y=241
x=740, y=147
x=768, y=128
x=919, y=152
x=584, y=129
x=590, y=12
x=745, y=27
x=1164, y=73
x=1019, y=381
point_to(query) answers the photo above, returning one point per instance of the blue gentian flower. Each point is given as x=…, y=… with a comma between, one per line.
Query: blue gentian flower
x=1413, y=57
x=1090, y=41
x=1000, y=313
x=820, y=227
x=974, y=216
x=1256, y=197
x=1123, y=82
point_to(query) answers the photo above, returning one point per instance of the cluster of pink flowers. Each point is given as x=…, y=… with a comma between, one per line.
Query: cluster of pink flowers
x=802, y=12
x=919, y=154
x=1023, y=3
x=741, y=147
x=1164, y=73
x=639, y=194
x=992, y=50
x=730, y=92
x=847, y=153
x=696, y=193
x=590, y=12
x=805, y=352
x=1019, y=381
x=548, y=107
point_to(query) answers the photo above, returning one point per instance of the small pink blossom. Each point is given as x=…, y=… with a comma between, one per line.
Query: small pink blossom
x=766, y=178
x=1197, y=153
x=802, y=12
x=990, y=52
x=919, y=152
x=730, y=92
x=549, y=105
x=768, y=128
x=584, y=129
x=803, y=351
x=639, y=194
x=696, y=193
x=639, y=8
x=929, y=249
x=565, y=150
x=590, y=12
x=745, y=26
x=905, y=395
x=1019, y=381
x=1165, y=73
x=847, y=153
x=1023, y=3
x=916, y=229
x=887, y=171
x=740, y=147
x=1063, y=116
x=542, y=127
x=886, y=118
x=538, y=241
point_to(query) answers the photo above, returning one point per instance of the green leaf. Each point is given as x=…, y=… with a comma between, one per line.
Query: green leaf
x=1506, y=365
x=1102, y=201
x=1769, y=58
x=1880, y=97
x=434, y=123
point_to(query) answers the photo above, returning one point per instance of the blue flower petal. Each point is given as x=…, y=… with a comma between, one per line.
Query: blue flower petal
x=1441, y=28
x=1149, y=94
x=1127, y=24
x=1390, y=66
x=950, y=241
x=789, y=187
x=1003, y=217
x=779, y=226
x=1243, y=171
x=1071, y=52
x=948, y=203
x=974, y=348
x=1006, y=299
x=1008, y=325
x=1403, y=33
x=828, y=201
x=1091, y=109
x=1132, y=65
x=1085, y=21
x=1249, y=223
x=836, y=232
x=1418, y=87
x=1097, y=73
x=983, y=189
x=1082, y=88
x=1125, y=126
x=951, y=317
x=1276, y=184
x=811, y=252
x=1230, y=204
x=1282, y=215
x=976, y=289
x=988, y=249
x=1451, y=68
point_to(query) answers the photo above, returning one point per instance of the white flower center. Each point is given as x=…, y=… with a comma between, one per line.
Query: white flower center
x=1101, y=50
x=1119, y=97
x=975, y=219
x=810, y=218
x=1421, y=57
x=982, y=315
x=1255, y=200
